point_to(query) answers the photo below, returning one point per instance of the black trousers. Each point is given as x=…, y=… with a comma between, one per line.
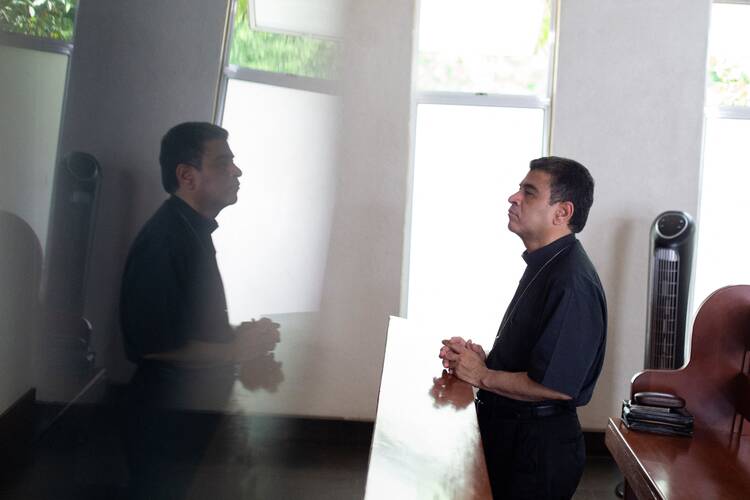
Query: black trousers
x=532, y=457
x=166, y=427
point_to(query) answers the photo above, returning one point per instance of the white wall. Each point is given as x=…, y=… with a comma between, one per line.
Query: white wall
x=629, y=105
x=363, y=274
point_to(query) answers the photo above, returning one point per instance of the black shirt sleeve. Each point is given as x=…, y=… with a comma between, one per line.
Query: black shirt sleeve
x=570, y=339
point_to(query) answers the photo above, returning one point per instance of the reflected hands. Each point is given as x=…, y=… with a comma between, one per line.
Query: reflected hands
x=257, y=338
x=261, y=373
x=446, y=392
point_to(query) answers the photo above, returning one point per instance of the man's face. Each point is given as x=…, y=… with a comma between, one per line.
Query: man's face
x=217, y=179
x=530, y=215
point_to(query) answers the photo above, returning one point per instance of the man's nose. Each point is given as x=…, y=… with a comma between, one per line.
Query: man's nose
x=237, y=172
x=513, y=199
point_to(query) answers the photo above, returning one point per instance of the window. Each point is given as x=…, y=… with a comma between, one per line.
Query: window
x=35, y=49
x=322, y=18
x=273, y=52
x=483, y=96
x=281, y=111
x=723, y=239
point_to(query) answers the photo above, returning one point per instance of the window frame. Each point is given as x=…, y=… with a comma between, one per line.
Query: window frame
x=722, y=112
x=22, y=41
x=730, y=112
x=254, y=23
x=276, y=79
x=727, y=112
x=455, y=98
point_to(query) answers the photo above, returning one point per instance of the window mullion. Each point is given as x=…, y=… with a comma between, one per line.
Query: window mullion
x=296, y=82
x=22, y=41
x=482, y=99
x=728, y=112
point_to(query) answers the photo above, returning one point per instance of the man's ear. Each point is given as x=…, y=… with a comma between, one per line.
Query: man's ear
x=185, y=176
x=563, y=213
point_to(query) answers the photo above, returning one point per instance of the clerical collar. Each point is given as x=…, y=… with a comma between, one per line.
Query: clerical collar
x=196, y=220
x=539, y=256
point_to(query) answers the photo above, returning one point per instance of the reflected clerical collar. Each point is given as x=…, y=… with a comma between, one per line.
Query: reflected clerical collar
x=539, y=256
x=199, y=222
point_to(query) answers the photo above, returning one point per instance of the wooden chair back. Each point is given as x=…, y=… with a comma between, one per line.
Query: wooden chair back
x=715, y=381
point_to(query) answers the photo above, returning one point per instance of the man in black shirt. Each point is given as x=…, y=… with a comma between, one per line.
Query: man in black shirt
x=173, y=314
x=549, y=349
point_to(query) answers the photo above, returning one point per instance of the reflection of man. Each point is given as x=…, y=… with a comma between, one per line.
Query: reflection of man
x=549, y=349
x=173, y=309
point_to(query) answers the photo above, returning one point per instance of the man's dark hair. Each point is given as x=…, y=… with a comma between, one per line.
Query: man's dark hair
x=184, y=143
x=569, y=181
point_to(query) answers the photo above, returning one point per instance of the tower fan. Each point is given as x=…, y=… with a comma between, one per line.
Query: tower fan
x=66, y=360
x=71, y=231
x=672, y=244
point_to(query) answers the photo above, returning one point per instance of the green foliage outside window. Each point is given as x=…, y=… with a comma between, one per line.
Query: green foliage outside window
x=42, y=18
x=295, y=55
x=728, y=83
x=487, y=72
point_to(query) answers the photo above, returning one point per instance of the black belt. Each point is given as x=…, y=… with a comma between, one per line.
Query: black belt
x=495, y=408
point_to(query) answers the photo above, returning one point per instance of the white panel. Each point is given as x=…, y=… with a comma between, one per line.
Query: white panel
x=33, y=86
x=272, y=245
x=311, y=17
x=464, y=263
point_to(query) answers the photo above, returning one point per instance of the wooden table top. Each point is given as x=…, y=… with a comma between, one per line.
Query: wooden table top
x=426, y=442
x=710, y=465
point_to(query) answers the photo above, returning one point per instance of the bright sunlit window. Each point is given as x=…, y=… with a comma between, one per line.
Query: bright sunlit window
x=283, y=214
x=723, y=238
x=281, y=113
x=488, y=46
x=729, y=56
x=483, y=89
